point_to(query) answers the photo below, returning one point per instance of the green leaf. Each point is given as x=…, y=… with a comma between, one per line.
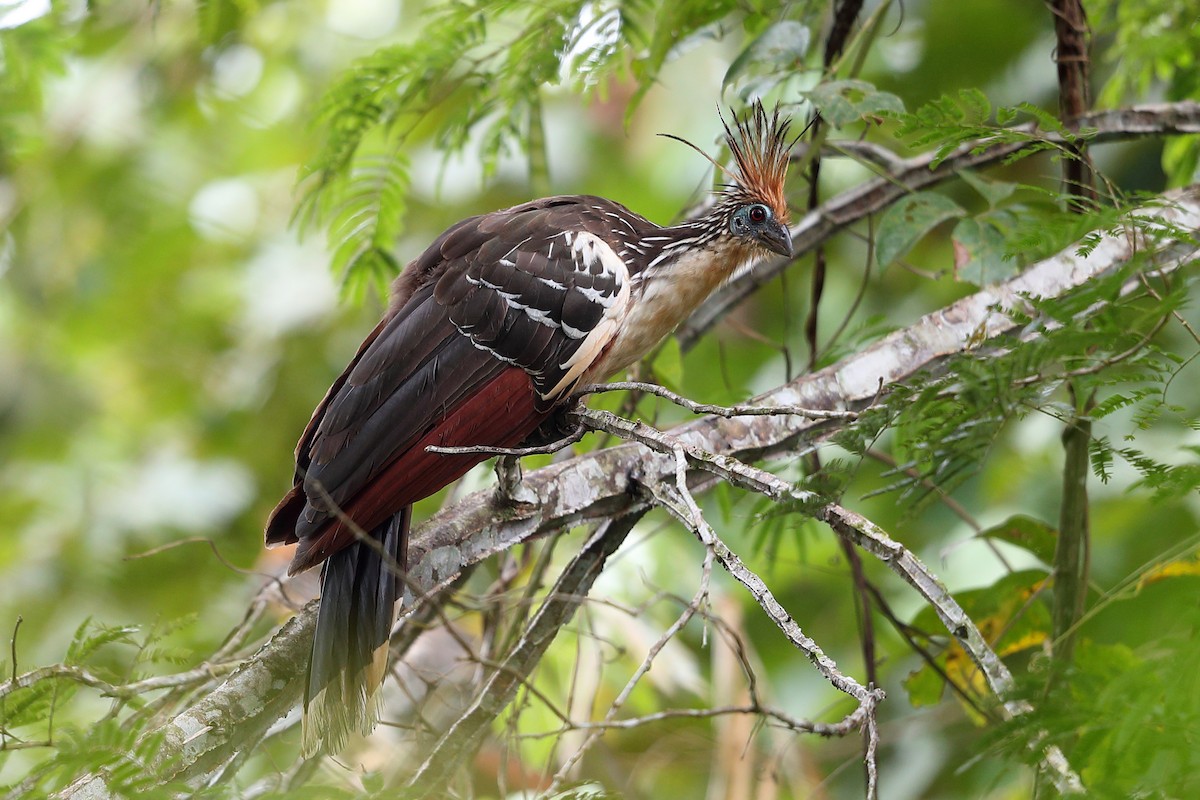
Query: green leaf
x=925, y=686
x=994, y=192
x=1121, y=400
x=908, y=220
x=1181, y=160
x=1027, y=533
x=91, y=636
x=367, y=219
x=979, y=253
x=780, y=47
x=1100, y=452
x=843, y=102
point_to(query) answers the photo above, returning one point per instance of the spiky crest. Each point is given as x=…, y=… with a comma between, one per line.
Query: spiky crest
x=761, y=152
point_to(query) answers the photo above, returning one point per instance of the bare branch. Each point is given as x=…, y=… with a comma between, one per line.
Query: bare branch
x=204, y=672
x=462, y=737
x=541, y=449
x=716, y=411
x=678, y=500
x=854, y=528
x=840, y=728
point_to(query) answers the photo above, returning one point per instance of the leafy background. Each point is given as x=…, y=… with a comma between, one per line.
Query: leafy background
x=201, y=203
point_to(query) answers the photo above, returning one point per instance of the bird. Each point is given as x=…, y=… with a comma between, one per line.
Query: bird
x=487, y=333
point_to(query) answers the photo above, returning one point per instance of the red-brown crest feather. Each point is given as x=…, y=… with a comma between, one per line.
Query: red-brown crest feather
x=761, y=152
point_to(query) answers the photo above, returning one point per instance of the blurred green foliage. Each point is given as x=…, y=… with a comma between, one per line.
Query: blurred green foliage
x=183, y=186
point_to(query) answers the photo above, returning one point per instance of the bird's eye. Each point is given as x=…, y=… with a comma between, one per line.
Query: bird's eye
x=758, y=213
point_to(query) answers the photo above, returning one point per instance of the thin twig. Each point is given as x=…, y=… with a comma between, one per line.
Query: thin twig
x=86, y=677
x=715, y=410
x=678, y=500
x=543, y=449
x=866, y=535
x=842, y=727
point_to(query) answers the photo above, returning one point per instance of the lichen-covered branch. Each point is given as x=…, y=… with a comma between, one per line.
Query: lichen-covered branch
x=678, y=500
x=855, y=529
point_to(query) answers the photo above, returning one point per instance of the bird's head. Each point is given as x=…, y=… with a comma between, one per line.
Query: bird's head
x=758, y=223
x=752, y=208
x=754, y=200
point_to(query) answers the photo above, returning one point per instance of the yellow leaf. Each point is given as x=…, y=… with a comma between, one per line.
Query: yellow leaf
x=1176, y=567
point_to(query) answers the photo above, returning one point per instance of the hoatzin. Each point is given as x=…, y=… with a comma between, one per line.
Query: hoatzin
x=487, y=333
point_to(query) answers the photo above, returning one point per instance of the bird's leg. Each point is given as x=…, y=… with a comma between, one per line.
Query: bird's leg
x=508, y=482
x=559, y=429
x=560, y=426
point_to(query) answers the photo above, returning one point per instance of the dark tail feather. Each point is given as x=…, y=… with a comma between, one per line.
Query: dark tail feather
x=359, y=589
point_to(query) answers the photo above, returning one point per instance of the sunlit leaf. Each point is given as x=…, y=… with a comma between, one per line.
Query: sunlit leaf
x=845, y=101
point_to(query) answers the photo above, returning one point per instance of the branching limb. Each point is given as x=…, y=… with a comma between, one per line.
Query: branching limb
x=573, y=585
x=900, y=560
x=678, y=500
x=725, y=467
x=124, y=691
x=853, y=527
x=842, y=727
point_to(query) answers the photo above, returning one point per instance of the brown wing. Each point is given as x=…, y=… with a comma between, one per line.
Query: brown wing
x=508, y=310
x=545, y=289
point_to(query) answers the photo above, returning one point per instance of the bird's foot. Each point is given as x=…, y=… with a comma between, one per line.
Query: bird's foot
x=509, y=489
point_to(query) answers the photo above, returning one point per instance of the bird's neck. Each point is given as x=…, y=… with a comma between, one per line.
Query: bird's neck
x=703, y=236
x=689, y=262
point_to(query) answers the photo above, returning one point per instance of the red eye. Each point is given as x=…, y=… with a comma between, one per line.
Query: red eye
x=758, y=214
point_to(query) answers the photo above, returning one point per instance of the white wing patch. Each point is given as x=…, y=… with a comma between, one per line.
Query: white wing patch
x=588, y=249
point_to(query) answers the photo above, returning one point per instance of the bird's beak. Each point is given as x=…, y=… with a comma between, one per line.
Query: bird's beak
x=777, y=239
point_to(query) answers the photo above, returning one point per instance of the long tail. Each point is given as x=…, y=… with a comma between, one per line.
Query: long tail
x=359, y=589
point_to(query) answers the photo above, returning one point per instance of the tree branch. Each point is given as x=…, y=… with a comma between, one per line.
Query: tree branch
x=501, y=686
x=854, y=529
x=684, y=508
